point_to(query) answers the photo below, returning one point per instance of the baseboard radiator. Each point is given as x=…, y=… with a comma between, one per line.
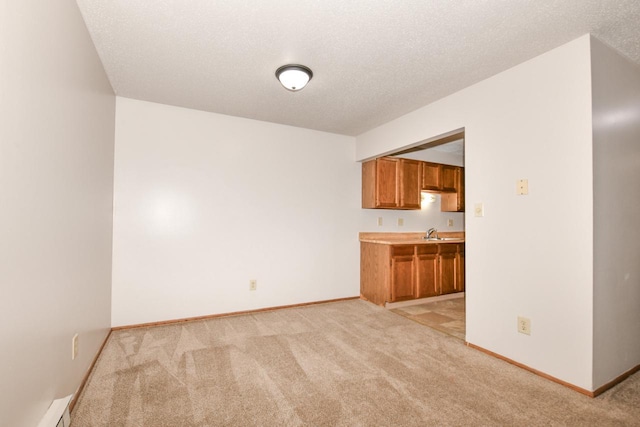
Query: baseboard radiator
x=58, y=414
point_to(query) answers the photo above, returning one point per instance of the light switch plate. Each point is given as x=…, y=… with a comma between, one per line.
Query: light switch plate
x=74, y=347
x=400, y=222
x=478, y=209
x=379, y=221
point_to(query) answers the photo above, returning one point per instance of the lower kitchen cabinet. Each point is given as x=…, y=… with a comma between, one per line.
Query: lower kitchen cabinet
x=460, y=269
x=392, y=273
x=426, y=267
x=402, y=273
x=447, y=269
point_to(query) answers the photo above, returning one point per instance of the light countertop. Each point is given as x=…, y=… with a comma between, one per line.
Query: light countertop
x=412, y=238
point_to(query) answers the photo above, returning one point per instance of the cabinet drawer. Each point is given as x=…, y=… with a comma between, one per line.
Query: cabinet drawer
x=399, y=250
x=426, y=249
x=448, y=248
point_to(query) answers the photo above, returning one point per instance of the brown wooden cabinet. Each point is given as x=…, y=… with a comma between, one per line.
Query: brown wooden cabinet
x=379, y=183
x=392, y=273
x=410, y=178
x=395, y=183
x=460, y=268
x=426, y=267
x=402, y=273
x=447, y=269
x=460, y=190
x=391, y=183
x=431, y=176
x=454, y=201
x=449, y=178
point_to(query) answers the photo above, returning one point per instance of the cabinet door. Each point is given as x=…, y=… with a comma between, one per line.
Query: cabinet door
x=426, y=263
x=402, y=273
x=460, y=189
x=387, y=174
x=449, y=202
x=460, y=268
x=431, y=176
x=449, y=178
x=410, y=183
x=447, y=268
x=391, y=183
x=454, y=202
x=369, y=184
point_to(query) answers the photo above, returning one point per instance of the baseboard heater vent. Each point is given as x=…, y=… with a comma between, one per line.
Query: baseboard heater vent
x=58, y=414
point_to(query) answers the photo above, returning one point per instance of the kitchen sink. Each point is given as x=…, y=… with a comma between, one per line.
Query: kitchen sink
x=443, y=239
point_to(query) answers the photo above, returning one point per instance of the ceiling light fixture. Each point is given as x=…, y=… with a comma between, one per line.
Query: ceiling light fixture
x=293, y=76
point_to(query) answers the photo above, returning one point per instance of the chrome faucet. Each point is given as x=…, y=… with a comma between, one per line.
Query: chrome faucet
x=430, y=232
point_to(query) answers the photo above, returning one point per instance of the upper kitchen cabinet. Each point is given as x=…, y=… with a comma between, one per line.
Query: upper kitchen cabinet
x=391, y=183
x=410, y=183
x=453, y=199
x=395, y=183
x=449, y=178
x=379, y=183
x=431, y=176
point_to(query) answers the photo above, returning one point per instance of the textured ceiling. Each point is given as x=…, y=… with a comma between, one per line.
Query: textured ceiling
x=372, y=60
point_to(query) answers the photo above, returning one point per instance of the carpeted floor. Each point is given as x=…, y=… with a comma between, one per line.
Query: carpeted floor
x=349, y=363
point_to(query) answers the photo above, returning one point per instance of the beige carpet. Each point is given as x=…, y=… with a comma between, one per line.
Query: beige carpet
x=340, y=364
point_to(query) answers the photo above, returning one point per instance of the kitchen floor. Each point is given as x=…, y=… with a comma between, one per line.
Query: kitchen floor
x=446, y=316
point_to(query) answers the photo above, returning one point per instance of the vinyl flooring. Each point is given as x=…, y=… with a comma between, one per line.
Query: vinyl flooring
x=446, y=316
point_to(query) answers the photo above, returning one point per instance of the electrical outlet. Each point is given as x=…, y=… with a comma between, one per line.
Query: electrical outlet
x=379, y=221
x=74, y=347
x=253, y=285
x=524, y=325
x=522, y=187
x=450, y=222
x=400, y=222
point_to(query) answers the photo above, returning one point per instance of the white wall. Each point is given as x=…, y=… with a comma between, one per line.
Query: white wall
x=616, y=146
x=57, y=114
x=413, y=220
x=206, y=202
x=529, y=255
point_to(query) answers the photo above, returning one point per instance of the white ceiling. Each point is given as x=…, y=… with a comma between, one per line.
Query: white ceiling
x=455, y=147
x=373, y=60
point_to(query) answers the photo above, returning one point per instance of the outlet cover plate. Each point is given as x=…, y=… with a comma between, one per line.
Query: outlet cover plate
x=524, y=325
x=522, y=187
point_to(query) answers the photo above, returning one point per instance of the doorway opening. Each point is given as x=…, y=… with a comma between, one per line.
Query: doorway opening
x=446, y=313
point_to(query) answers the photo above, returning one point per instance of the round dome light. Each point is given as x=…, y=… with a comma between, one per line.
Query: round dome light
x=294, y=77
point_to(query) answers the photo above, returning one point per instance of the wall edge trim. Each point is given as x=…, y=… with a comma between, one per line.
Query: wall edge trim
x=617, y=380
x=534, y=371
x=233, y=313
x=85, y=379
